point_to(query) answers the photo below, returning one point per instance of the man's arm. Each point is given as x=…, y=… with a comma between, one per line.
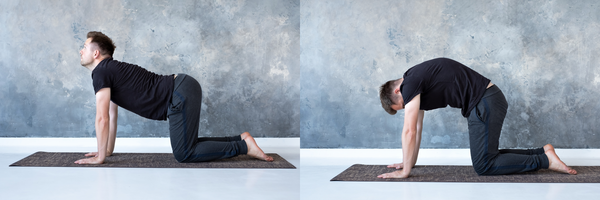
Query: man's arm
x=112, y=131
x=102, y=127
x=417, y=147
x=410, y=138
x=418, y=139
x=113, y=113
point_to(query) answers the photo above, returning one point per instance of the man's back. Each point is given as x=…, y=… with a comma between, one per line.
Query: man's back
x=442, y=82
x=134, y=88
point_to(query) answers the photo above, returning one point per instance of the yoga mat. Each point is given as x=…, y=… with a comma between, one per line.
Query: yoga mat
x=440, y=173
x=147, y=160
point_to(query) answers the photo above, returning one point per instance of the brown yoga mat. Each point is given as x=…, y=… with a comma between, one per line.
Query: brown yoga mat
x=439, y=173
x=147, y=160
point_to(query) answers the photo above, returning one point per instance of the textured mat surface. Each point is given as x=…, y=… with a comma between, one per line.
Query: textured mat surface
x=440, y=173
x=147, y=160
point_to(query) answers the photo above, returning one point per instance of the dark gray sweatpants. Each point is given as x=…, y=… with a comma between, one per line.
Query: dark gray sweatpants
x=184, y=121
x=485, y=125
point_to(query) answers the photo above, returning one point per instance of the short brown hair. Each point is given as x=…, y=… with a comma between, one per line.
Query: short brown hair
x=105, y=44
x=387, y=97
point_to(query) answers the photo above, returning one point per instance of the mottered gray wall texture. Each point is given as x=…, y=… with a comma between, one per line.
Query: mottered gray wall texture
x=245, y=54
x=544, y=55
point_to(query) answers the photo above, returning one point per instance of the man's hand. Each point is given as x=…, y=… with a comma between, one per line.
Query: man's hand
x=396, y=174
x=94, y=154
x=92, y=160
x=396, y=165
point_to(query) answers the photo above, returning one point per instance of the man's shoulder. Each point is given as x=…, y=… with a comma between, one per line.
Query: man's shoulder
x=109, y=64
x=100, y=70
x=105, y=68
x=441, y=61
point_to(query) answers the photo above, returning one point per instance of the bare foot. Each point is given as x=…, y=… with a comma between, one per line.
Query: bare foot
x=244, y=135
x=555, y=163
x=253, y=149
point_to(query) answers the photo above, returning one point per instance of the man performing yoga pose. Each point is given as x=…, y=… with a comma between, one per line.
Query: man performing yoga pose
x=441, y=82
x=159, y=97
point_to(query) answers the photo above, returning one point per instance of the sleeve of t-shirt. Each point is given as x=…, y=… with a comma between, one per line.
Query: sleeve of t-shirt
x=101, y=79
x=410, y=88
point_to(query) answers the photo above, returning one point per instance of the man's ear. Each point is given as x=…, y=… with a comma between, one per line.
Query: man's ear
x=397, y=91
x=96, y=54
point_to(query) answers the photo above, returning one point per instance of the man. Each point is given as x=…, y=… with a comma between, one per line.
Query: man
x=441, y=82
x=159, y=97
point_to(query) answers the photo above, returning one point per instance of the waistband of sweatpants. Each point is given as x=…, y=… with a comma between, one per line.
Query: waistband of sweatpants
x=178, y=80
x=491, y=91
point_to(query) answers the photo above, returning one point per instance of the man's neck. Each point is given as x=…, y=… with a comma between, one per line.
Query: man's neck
x=92, y=66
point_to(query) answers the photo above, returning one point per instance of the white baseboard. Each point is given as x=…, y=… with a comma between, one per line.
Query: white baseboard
x=427, y=153
x=426, y=156
x=30, y=145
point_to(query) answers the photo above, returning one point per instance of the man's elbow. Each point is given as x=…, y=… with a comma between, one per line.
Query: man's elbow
x=102, y=120
x=410, y=132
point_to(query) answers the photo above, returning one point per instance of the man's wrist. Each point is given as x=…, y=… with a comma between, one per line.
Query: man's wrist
x=102, y=154
x=406, y=171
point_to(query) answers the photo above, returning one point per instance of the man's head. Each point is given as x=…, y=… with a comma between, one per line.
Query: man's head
x=390, y=96
x=97, y=47
x=104, y=43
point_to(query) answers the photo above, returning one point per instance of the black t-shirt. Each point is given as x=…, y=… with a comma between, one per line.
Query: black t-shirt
x=134, y=88
x=442, y=82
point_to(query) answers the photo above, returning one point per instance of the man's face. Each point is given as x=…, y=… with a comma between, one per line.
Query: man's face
x=399, y=104
x=87, y=54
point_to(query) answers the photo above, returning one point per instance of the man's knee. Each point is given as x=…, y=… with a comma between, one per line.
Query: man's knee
x=481, y=169
x=180, y=156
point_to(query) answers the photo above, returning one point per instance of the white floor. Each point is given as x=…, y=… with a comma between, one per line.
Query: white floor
x=310, y=181
x=136, y=183
x=318, y=166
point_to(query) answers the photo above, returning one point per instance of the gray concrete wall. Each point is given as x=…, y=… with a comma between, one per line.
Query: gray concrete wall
x=542, y=54
x=243, y=53
x=259, y=75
